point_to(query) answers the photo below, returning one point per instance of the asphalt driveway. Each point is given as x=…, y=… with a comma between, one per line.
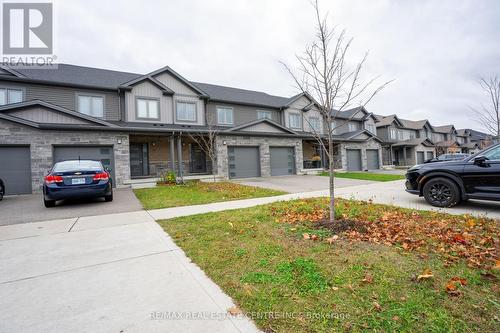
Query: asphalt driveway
x=30, y=208
x=296, y=184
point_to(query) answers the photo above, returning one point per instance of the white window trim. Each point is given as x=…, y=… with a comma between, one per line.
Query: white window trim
x=84, y=94
x=7, y=88
x=316, y=130
x=266, y=112
x=290, y=123
x=186, y=120
x=137, y=98
x=228, y=108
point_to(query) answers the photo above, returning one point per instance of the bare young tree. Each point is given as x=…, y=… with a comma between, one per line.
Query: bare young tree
x=488, y=115
x=325, y=72
x=207, y=142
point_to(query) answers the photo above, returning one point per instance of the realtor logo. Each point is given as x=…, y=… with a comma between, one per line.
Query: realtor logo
x=27, y=28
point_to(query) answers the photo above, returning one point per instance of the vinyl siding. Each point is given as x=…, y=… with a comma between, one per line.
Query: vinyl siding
x=42, y=115
x=66, y=96
x=241, y=114
x=148, y=90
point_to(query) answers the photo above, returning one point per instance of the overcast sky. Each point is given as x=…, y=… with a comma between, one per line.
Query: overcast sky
x=436, y=51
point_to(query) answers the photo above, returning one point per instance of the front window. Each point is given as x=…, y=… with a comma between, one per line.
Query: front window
x=264, y=115
x=148, y=108
x=371, y=128
x=9, y=96
x=294, y=120
x=185, y=111
x=392, y=133
x=353, y=127
x=225, y=115
x=91, y=105
x=315, y=124
x=493, y=155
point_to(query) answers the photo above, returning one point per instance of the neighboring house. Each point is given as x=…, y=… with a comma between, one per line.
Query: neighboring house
x=467, y=145
x=483, y=140
x=139, y=125
x=405, y=142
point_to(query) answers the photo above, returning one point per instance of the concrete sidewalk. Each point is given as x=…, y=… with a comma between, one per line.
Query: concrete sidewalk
x=109, y=273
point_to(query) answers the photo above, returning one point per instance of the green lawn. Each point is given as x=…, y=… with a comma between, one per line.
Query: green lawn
x=196, y=193
x=261, y=257
x=379, y=177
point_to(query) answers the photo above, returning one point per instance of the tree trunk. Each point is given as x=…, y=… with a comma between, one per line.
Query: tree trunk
x=331, y=176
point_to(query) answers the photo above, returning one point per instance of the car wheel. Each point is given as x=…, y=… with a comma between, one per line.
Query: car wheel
x=108, y=198
x=49, y=203
x=441, y=192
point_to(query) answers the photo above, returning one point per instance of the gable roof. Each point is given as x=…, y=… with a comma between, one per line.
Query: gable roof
x=444, y=129
x=260, y=121
x=388, y=120
x=354, y=134
x=414, y=124
x=165, y=90
x=4, y=109
x=478, y=135
x=463, y=132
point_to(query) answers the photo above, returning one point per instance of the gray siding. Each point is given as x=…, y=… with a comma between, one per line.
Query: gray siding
x=242, y=114
x=383, y=133
x=42, y=115
x=66, y=97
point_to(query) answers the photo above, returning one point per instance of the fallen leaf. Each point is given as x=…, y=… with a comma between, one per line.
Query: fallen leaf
x=232, y=226
x=497, y=265
x=395, y=318
x=335, y=288
x=314, y=237
x=377, y=306
x=368, y=278
x=426, y=274
x=234, y=311
x=306, y=236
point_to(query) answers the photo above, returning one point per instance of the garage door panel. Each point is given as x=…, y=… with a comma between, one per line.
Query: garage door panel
x=15, y=169
x=282, y=161
x=99, y=153
x=244, y=162
x=372, y=159
x=354, y=159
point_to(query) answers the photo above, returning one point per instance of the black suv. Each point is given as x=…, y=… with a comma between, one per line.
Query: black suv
x=445, y=184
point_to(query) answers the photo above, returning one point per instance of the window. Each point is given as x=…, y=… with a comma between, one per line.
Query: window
x=493, y=154
x=225, y=115
x=91, y=105
x=147, y=108
x=352, y=127
x=315, y=124
x=185, y=111
x=392, y=133
x=294, y=120
x=371, y=128
x=264, y=115
x=9, y=96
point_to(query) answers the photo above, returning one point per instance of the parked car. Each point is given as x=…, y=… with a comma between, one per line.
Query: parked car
x=445, y=184
x=77, y=179
x=2, y=189
x=448, y=157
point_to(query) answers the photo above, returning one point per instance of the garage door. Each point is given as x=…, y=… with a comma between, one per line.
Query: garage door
x=372, y=159
x=97, y=153
x=282, y=161
x=244, y=162
x=354, y=159
x=420, y=157
x=15, y=169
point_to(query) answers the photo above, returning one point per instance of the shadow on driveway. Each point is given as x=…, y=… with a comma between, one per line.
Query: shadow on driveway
x=30, y=208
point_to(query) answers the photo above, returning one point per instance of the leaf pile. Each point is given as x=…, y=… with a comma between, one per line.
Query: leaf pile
x=453, y=236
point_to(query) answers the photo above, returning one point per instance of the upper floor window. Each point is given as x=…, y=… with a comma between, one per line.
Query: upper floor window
x=185, y=111
x=371, y=128
x=91, y=105
x=315, y=124
x=264, y=115
x=294, y=120
x=9, y=96
x=352, y=127
x=392, y=133
x=148, y=108
x=225, y=115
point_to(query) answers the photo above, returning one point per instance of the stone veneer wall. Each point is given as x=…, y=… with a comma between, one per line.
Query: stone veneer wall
x=263, y=143
x=371, y=144
x=41, y=145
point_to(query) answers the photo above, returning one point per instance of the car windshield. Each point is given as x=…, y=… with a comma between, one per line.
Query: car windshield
x=82, y=165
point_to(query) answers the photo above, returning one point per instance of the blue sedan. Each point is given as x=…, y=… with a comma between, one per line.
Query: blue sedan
x=77, y=179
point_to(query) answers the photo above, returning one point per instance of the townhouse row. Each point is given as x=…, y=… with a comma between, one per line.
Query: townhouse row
x=141, y=125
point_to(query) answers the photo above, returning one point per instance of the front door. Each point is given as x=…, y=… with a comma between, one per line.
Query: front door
x=483, y=180
x=198, y=160
x=138, y=159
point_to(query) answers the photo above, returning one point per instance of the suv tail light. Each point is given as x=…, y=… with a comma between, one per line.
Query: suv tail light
x=101, y=176
x=53, y=179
